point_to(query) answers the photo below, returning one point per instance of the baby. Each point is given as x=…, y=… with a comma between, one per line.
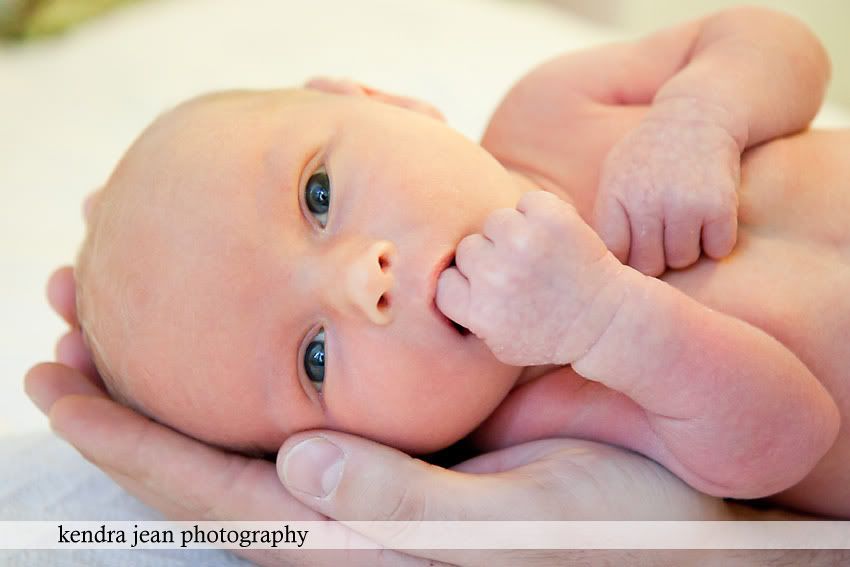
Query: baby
x=262, y=263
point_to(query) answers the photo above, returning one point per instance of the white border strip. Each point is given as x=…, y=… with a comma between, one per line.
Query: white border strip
x=425, y=535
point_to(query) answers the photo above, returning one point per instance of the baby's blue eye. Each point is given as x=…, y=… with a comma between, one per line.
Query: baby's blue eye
x=317, y=195
x=314, y=360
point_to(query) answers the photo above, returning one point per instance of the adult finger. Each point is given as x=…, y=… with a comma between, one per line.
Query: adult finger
x=61, y=294
x=452, y=297
x=47, y=382
x=72, y=351
x=207, y=483
x=350, y=478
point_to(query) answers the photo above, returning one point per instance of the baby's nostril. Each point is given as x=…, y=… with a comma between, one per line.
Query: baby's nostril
x=383, y=262
x=383, y=302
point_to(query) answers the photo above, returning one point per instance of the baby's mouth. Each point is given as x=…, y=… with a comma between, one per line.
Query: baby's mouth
x=463, y=331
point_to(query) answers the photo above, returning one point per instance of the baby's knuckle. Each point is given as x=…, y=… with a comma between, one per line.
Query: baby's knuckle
x=639, y=205
x=552, y=220
x=722, y=208
x=614, y=179
x=687, y=204
x=496, y=220
x=518, y=241
x=467, y=250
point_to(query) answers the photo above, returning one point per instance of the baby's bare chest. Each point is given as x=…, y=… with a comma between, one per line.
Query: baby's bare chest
x=794, y=290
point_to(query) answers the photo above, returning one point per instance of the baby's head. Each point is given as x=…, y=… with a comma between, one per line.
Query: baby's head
x=262, y=263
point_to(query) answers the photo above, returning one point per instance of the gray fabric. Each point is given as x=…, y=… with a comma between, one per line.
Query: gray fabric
x=43, y=478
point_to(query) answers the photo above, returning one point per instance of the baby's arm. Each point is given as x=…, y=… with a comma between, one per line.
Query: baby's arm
x=728, y=408
x=764, y=71
x=716, y=86
x=734, y=412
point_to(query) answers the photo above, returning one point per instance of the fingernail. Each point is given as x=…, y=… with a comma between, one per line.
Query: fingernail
x=313, y=466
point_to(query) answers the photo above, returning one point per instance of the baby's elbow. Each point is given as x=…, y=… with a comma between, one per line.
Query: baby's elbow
x=782, y=458
x=778, y=28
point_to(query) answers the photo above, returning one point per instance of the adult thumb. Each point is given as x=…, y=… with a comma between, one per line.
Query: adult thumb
x=350, y=478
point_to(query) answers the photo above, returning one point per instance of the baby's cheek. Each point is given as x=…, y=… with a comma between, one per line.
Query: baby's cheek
x=431, y=408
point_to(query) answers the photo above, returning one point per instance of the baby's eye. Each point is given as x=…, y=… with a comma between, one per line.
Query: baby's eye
x=317, y=195
x=314, y=360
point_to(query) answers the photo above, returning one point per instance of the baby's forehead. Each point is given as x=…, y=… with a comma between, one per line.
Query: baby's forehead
x=246, y=99
x=210, y=131
x=227, y=110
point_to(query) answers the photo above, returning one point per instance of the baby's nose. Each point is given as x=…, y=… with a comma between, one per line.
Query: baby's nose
x=369, y=280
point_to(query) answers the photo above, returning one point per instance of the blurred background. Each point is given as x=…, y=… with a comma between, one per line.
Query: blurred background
x=79, y=79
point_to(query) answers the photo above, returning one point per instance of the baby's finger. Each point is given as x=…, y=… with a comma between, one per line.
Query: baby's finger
x=647, y=245
x=681, y=243
x=611, y=223
x=61, y=294
x=507, y=226
x=539, y=202
x=719, y=236
x=453, y=296
x=469, y=253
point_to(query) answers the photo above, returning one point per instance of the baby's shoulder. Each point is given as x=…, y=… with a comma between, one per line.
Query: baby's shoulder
x=548, y=132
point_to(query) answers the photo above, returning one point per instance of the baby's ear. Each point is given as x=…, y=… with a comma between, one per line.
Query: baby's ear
x=89, y=204
x=349, y=87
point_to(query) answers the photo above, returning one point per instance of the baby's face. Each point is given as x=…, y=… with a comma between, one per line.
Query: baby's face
x=274, y=257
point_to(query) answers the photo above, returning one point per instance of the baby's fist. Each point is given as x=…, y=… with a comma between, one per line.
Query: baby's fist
x=525, y=286
x=669, y=183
